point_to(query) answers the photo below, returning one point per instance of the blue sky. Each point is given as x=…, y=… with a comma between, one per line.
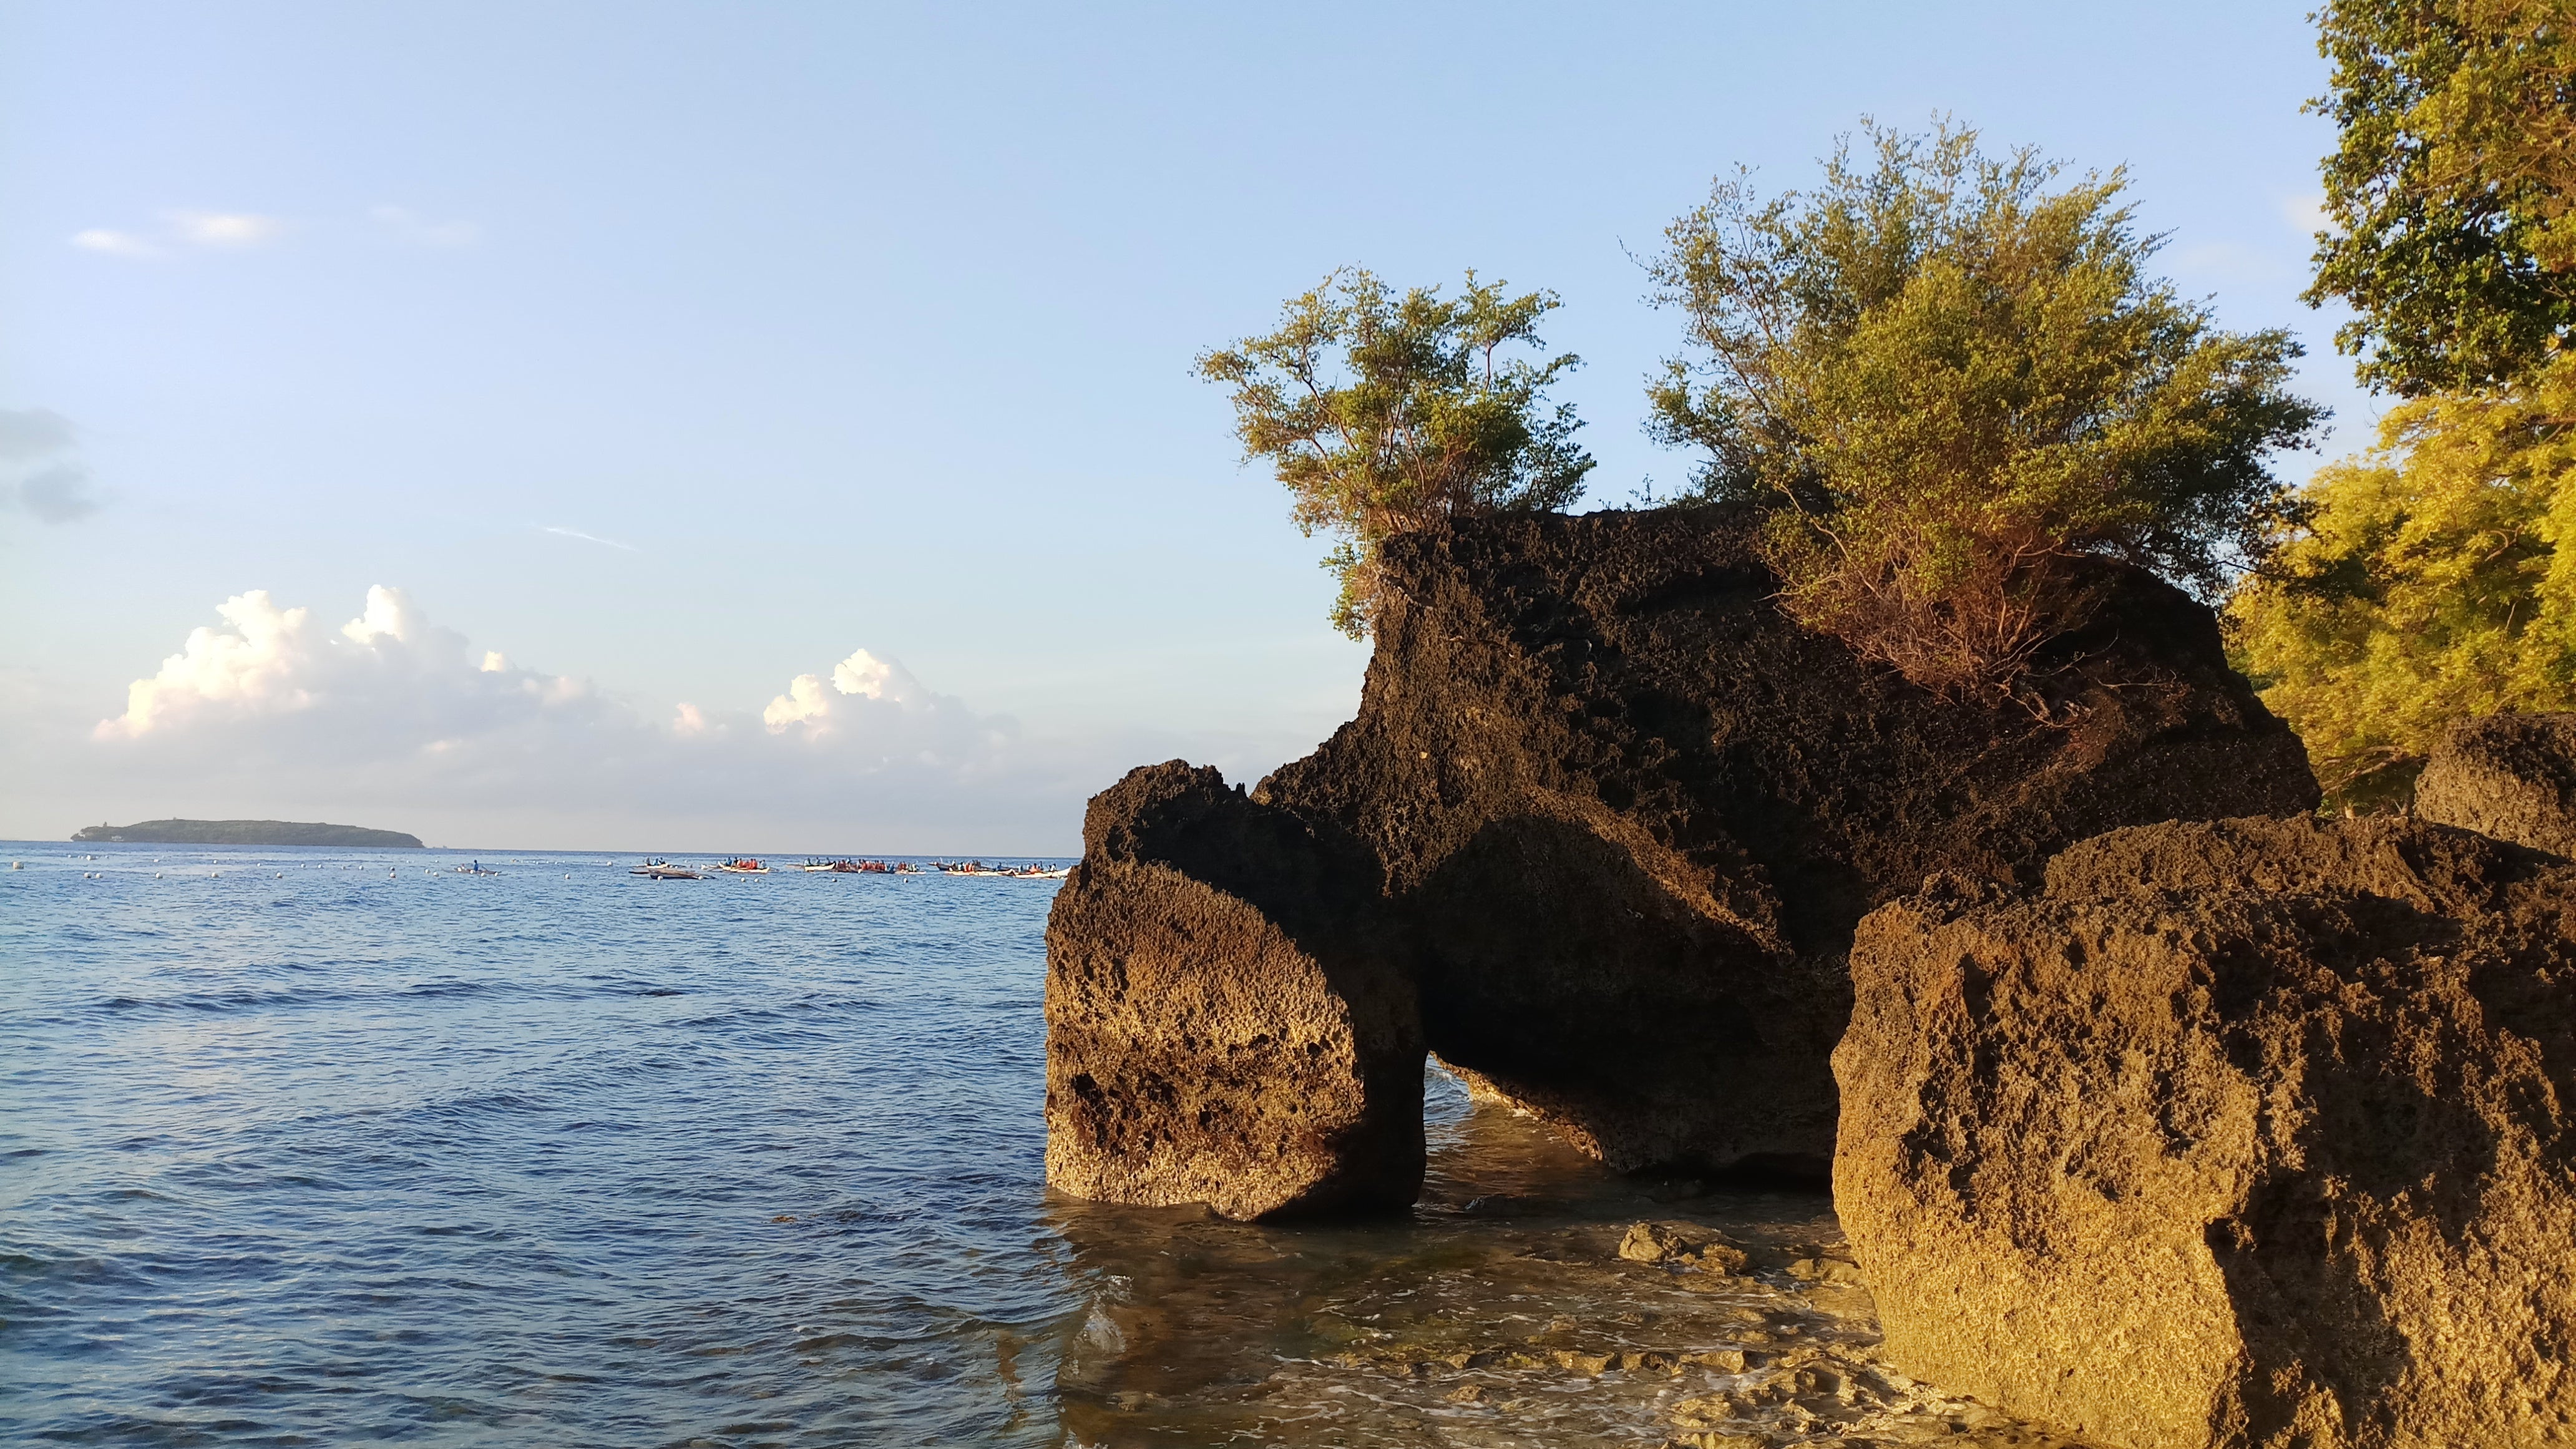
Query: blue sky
x=674, y=352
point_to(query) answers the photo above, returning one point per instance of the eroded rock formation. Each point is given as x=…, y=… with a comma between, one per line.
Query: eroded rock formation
x=1617, y=817
x=2253, y=1133
x=1221, y=1028
x=2512, y=776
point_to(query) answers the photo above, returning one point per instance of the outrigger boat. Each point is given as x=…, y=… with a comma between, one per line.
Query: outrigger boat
x=475, y=869
x=664, y=870
x=1010, y=872
x=743, y=865
x=845, y=866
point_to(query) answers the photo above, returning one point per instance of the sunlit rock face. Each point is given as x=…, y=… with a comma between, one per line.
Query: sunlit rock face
x=1616, y=817
x=2253, y=1133
x=1220, y=1027
x=2512, y=776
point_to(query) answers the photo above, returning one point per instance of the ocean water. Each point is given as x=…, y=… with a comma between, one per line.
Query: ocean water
x=339, y=1148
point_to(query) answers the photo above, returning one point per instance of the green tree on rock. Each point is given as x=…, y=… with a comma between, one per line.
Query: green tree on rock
x=1950, y=377
x=2434, y=579
x=2449, y=189
x=1384, y=413
x=2431, y=581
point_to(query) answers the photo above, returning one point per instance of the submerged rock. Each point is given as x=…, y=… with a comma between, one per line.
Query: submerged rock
x=2252, y=1133
x=1618, y=816
x=2512, y=776
x=1682, y=1246
x=1221, y=1025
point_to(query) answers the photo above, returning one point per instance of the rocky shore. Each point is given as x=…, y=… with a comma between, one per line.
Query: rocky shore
x=2156, y=1110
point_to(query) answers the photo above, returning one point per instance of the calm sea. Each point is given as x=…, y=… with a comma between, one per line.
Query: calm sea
x=333, y=1148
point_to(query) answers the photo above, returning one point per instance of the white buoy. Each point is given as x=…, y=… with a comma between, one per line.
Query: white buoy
x=156, y=875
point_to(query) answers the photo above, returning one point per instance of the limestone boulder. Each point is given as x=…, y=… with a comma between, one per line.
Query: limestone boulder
x=2512, y=776
x=2246, y=1133
x=1223, y=1026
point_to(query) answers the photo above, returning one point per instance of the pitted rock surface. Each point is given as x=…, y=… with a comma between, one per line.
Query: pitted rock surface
x=1618, y=815
x=1220, y=1028
x=2246, y=1133
x=2512, y=776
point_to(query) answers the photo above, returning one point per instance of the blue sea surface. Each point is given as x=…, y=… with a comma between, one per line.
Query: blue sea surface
x=326, y=1147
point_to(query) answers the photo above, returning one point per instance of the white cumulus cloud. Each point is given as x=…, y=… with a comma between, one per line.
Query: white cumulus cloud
x=391, y=716
x=859, y=685
x=389, y=676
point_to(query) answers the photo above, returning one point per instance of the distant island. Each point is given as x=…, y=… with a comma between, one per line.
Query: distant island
x=247, y=832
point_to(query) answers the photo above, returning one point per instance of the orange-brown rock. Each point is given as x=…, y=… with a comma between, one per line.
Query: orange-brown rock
x=1220, y=1026
x=2248, y=1133
x=2512, y=776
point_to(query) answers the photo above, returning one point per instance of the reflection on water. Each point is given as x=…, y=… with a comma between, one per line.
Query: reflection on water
x=1499, y=1313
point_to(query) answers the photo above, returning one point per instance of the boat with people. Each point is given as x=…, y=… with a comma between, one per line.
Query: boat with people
x=742, y=865
x=475, y=868
x=1008, y=872
x=664, y=870
x=843, y=865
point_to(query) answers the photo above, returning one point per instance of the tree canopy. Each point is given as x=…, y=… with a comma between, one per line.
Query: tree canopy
x=1949, y=375
x=2431, y=580
x=2448, y=192
x=1384, y=412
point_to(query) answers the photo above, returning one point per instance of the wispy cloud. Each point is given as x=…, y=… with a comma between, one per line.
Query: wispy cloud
x=2306, y=213
x=406, y=225
x=210, y=230
x=114, y=243
x=59, y=494
x=224, y=228
x=35, y=476
x=589, y=538
x=33, y=433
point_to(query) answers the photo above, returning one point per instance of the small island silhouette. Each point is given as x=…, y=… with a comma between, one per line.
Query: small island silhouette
x=246, y=832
